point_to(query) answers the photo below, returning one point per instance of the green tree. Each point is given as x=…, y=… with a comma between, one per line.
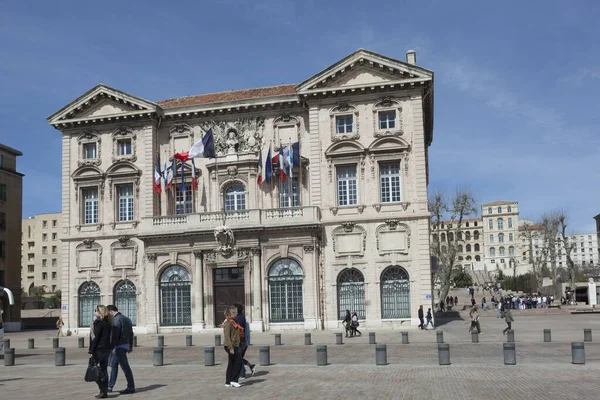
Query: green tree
x=462, y=279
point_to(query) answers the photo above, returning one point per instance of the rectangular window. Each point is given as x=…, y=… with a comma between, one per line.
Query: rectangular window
x=44, y=276
x=2, y=221
x=44, y=224
x=54, y=236
x=54, y=223
x=510, y=222
x=44, y=250
x=491, y=238
x=30, y=257
x=54, y=264
x=343, y=124
x=2, y=249
x=54, y=275
x=44, y=237
x=30, y=269
x=183, y=200
x=2, y=192
x=502, y=260
x=491, y=224
x=124, y=147
x=387, y=119
x=493, y=261
x=125, y=202
x=89, y=151
x=389, y=178
x=287, y=199
x=510, y=237
x=30, y=245
x=54, y=249
x=44, y=263
x=90, y=205
x=347, y=190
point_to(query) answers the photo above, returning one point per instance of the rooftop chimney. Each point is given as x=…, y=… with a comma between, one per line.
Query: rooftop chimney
x=411, y=57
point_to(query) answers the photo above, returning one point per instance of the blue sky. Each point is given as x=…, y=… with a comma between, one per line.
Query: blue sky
x=516, y=82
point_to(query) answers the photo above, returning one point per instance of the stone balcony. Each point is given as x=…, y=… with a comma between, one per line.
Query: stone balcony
x=243, y=219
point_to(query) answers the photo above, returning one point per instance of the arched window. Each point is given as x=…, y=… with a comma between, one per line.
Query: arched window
x=125, y=299
x=510, y=237
x=510, y=222
x=500, y=223
x=509, y=209
x=443, y=249
x=477, y=258
x=467, y=235
x=436, y=237
x=468, y=258
x=175, y=297
x=476, y=247
x=235, y=198
x=467, y=224
x=450, y=236
x=499, y=210
x=476, y=235
x=395, y=293
x=286, y=279
x=460, y=248
x=468, y=248
x=89, y=298
x=351, y=293
x=489, y=210
x=501, y=238
x=443, y=236
x=492, y=252
x=459, y=236
x=501, y=251
x=475, y=223
x=511, y=251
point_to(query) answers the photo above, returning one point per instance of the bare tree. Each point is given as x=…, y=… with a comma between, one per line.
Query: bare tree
x=537, y=254
x=550, y=225
x=562, y=218
x=447, y=217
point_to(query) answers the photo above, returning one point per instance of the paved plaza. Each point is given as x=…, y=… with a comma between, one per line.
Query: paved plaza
x=543, y=369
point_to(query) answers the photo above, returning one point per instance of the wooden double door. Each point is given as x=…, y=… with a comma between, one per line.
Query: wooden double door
x=228, y=290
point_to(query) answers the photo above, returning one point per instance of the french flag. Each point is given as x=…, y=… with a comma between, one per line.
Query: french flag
x=282, y=175
x=157, y=176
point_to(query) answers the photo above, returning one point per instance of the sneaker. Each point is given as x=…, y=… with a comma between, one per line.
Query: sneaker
x=235, y=384
x=242, y=377
x=253, y=369
x=227, y=385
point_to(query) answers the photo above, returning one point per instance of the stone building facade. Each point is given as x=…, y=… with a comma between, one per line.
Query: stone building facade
x=349, y=228
x=11, y=205
x=41, y=252
x=501, y=239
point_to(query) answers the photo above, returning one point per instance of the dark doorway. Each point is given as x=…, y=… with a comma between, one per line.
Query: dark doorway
x=229, y=289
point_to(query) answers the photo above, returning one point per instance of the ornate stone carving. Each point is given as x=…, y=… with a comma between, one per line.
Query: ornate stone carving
x=124, y=133
x=88, y=242
x=362, y=167
x=387, y=104
x=344, y=108
x=405, y=205
x=197, y=253
x=406, y=158
x=210, y=257
x=248, y=134
x=347, y=230
x=180, y=130
x=377, y=207
x=348, y=226
x=361, y=208
x=89, y=137
x=256, y=251
x=123, y=240
x=393, y=244
x=232, y=171
x=225, y=239
x=330, y=169
x=308, y=248
x=151, y=257
x=123, y=253
x=243, y=254
x=334, y=210
x=392, y=224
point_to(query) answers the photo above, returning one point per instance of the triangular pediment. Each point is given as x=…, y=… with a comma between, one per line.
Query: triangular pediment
x=102, y=101
x=364, y=68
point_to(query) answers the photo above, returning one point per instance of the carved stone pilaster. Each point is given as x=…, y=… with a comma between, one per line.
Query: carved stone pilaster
x=256, y=251
x=197, y=253
x=151, y=257
x=309, y=248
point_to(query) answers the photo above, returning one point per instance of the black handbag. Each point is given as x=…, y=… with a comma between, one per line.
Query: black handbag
x=93, y=372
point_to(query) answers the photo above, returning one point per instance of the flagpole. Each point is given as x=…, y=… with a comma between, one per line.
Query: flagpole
x=300, y=184
x=270, y=156
x=291, y=186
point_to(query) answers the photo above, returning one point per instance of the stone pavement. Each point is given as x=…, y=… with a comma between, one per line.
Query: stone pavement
x=477, y=370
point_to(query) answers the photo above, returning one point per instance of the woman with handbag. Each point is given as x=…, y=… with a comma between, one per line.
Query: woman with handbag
x=100, y=348
x=355, y=325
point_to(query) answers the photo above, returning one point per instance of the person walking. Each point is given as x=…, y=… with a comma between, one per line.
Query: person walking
x=121, y=344
x=429, y=319
x=99, y=349
x=245, y=342
x=347, y=322
x=422, y=324
x=355, y=325
x=455, y=300
x=474, y=316
x=508, y=318
x=232, y=333
x=59, y=326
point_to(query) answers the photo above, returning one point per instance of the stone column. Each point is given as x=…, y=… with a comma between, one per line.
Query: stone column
x=198, y=315
x=150, y=288
x=257, y=320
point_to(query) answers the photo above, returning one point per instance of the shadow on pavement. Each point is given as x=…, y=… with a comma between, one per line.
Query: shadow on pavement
x=261, y=373
x=252, y=382
x=10, y=379
x=148, y=388
x=449, y=316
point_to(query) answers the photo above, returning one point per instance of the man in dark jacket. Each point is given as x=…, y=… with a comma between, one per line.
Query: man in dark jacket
x=121, y=343
x=422, y=324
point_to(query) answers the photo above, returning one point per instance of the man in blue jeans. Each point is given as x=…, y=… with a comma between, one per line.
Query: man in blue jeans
x=122, y=343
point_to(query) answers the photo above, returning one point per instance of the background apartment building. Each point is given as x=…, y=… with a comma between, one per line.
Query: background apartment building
x=501, y=228
x=40, y=254
x=11, y=205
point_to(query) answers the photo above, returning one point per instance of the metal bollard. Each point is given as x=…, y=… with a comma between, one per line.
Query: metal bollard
x=60, y=356
x=577, y=353
x=55, y=343
x=278, y=339
x=158, y=358
x=510, y=354
x=81, y=342
x=405, y=338
x=209, y=356
x=307, y=339
x=161, y=341
x=265, y=356
x=321, y=354
x=474, y=337
x=587, y=335
x=9, y=357
x=440, y=336
x=547, y=335
x=31, y=343
x=7, y=343
x=218, y=341
x=135, y=341
x=339, y=339
x=188, y=340
x=380, y=354
x=510, y=336
x=444, y=354
x=371, y=337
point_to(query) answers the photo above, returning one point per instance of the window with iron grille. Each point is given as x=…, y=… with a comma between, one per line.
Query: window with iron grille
x=235, y=198
x=387, y=119
x=286, y=279
x=287, y=199
x=89, y=298
x=389, y=178
x=347, y=188
x=90, y=205
x=125, y=299
x=175, y=297
x=343, y=124
x=395, y=293
x=351, y=293
x=125, y=202
x=183, y=199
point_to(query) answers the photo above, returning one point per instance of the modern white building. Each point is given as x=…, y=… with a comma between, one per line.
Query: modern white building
x=349, y=228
